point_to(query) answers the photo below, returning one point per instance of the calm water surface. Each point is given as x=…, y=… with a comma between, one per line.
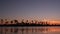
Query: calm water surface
x=29, y=30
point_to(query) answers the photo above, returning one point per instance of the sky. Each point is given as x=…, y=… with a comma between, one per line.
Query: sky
x=30, y=9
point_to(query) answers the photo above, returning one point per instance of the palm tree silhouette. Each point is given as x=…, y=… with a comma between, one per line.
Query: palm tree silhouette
x=22, y=21
x=6, y=21
x=11, y=22
x=26, y=21
x=16, y=21
x=2, y=21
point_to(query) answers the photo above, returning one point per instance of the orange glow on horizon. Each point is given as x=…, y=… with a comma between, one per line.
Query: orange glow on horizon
x=54, y=22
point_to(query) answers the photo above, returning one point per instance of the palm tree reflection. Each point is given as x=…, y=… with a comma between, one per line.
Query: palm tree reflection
x=27, y=30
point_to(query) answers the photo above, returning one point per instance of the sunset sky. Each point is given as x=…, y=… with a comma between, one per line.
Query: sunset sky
x=30, y=9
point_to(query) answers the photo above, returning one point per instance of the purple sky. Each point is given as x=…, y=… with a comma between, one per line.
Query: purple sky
x=33, y=9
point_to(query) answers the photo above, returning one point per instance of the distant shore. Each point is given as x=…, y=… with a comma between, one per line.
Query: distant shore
x=27, y=25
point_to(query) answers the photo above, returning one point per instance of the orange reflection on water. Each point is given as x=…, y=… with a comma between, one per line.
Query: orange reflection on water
x=54, y=29
x=28, y=30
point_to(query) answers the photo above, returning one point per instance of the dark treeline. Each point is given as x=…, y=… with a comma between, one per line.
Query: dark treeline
x=27, y=23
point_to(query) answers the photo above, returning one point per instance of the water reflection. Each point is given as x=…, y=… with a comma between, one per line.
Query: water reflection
x=29, y=30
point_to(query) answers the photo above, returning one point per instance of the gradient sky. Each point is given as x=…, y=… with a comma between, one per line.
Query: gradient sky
x=30, y=9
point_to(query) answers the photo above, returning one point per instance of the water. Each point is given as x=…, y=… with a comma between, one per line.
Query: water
x=29, y=30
